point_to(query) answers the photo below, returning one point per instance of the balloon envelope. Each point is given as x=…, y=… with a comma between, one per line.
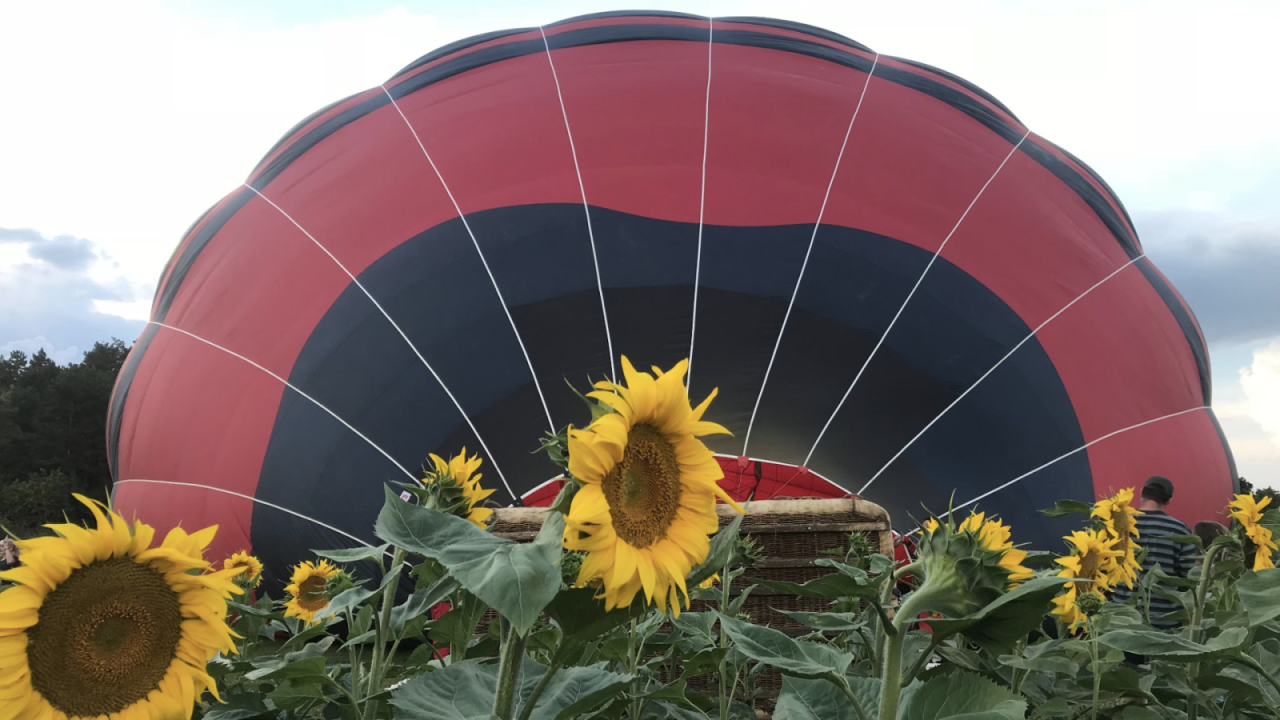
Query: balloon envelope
x=898, y=289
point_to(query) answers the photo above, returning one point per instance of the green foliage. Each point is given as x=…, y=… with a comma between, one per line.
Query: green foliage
x=519, y=642
x=52, y=421
x=27, y=504
x=516, y=580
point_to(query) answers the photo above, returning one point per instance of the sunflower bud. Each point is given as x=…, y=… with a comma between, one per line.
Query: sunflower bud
x=1090, y=603
x=570, y=565
x=860, y=550
x=338, y=583
x=749, y=552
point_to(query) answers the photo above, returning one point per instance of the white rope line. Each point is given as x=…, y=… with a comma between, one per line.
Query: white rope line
x=295, y=513
x=1064, y=456
x=613, y=370
x=993, y=368
x=427, y=365
x=550, y=425
x=702, y=205
x=911, y=294
x=805, y=264
x=292, y=387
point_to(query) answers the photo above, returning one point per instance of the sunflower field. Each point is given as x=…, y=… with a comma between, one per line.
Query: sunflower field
x=593, y=618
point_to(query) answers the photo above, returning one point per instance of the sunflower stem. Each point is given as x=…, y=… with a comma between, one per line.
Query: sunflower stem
x=634, y=653
x=885, y=627
x=891, y=677
x=511, y=656
x=726, y=698
x=1193, y=630
x=891, y=674
x=858, y=710
x=1097, y=671
x=380, y=659
x=527, y=710
x=351, y=653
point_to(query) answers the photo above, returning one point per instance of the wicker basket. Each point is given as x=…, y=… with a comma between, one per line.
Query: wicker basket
x=791, y=534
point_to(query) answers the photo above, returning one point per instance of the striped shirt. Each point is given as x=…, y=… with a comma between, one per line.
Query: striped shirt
x=1175, y=559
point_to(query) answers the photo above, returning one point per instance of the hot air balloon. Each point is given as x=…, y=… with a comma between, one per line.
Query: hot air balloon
x=900, y=290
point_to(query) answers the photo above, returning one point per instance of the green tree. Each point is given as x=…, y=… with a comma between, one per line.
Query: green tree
x=53, y=431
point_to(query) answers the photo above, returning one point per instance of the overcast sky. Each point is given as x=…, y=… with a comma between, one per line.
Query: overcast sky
x=121, y=122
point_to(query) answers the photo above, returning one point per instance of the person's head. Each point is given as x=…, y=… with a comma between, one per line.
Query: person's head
x=1207, y=530
x=1158, y=491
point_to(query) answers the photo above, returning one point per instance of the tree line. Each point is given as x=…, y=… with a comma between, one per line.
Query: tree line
x=53, y=435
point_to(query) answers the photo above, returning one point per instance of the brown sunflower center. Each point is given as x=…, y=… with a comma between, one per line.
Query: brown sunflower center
x=1090, y=564
x=644, y=489
x=311, y=594
x=105, y=638
x=1122, y=523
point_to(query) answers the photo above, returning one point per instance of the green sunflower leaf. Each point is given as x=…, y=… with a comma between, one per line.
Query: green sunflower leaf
x=830, y=621
x=355, y=554
x=517, y=580
x=576, y=691
x=1063, y=508
x=1260, y=594
x=1010, y=617
x=803, y=699
x=722, y=550
x=829, y=587
x=239, y=707
x=1172, y=647
x=420, y=602
x=463, y=691
x=583, y=619
x=789, y=656
x=962, y=695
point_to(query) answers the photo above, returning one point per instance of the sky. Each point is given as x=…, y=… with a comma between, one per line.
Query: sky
x=121, y=122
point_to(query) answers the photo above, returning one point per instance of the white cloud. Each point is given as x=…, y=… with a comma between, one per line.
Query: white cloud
x=139, y=309
x=1261, y=383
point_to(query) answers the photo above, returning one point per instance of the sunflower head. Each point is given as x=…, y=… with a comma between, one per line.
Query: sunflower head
x=249, y=569
x=100, y=623
x=1116, y=515
x=453, y=486
x=1090, y=567
x=1247, y=512
x=967, y=566
x=649, y=486
x=308, y=589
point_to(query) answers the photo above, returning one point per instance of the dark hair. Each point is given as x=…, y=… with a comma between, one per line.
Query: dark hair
x=1207, y=530
x=1155, y=493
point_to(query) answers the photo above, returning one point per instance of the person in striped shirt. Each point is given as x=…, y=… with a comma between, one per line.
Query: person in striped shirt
x=1174, y=558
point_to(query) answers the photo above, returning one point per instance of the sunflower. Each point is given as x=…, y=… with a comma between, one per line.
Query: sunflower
x=710, y=581
x=648, y=503
x=995, y=536
x=1091, y=565
x=456, y=475
x=100, y=623
x=250, y=569
x=307, y=589
x=1117, y=514
x=1248, y=512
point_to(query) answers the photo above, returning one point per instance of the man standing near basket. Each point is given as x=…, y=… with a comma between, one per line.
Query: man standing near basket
x=1174, y=558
